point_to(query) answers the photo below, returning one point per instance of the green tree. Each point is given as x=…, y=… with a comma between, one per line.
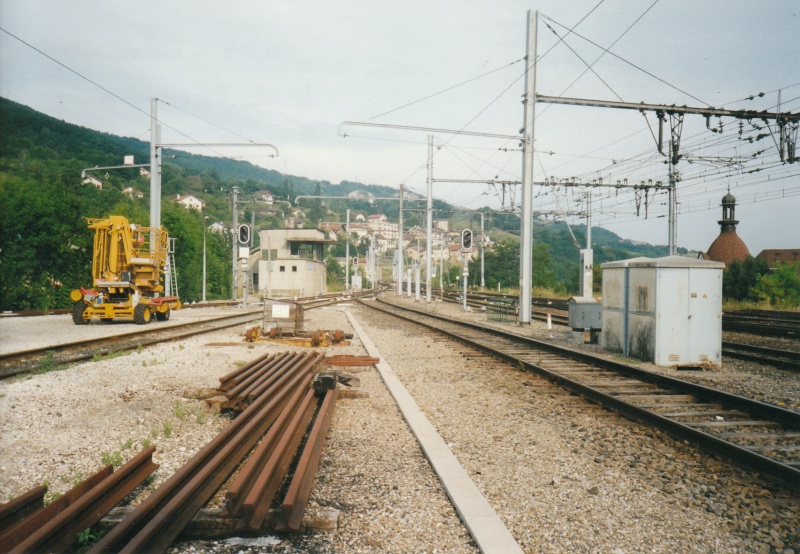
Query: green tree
x=335, y=273
x=543, y=273
x=501, y=264
x=781, y=287
x=741, y=277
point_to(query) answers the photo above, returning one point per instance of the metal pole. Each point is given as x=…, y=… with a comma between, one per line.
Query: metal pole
x=204, y=257
x=235, y=240
x=347, y=252
x=400, y=249
x=483, y=280
x=155, y=172
x=441, y=267
x=672, y=201
x=429, y=243
x=465, y=276
x=526, y=231
x=416, y=281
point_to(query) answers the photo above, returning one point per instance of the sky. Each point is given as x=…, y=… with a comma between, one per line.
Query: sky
x=291, y=73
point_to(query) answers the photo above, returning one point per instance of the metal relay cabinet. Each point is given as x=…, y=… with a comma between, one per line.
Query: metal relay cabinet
x=664, y=310
x=585, y=313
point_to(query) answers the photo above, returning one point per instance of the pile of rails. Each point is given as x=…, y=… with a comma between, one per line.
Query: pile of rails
x=279, y=403
x=27, y=525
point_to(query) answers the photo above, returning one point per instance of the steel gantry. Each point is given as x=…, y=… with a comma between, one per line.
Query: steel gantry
x=786, y=127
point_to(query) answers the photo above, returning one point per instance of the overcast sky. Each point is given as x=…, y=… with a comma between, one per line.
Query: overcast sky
x=289, y=73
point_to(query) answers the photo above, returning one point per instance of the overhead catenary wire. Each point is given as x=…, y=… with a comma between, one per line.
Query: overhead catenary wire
x=108, y=91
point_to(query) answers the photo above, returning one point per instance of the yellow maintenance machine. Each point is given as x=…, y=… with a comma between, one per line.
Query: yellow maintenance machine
x=127, y=265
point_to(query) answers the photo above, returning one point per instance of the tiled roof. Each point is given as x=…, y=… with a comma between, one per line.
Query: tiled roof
x=728, y=247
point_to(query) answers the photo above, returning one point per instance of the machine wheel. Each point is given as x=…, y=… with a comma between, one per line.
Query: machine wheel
x=142, y=314
x=163, y=316
x=77, y=314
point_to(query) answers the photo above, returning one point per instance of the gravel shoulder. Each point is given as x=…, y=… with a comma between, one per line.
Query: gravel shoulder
x=563, y=475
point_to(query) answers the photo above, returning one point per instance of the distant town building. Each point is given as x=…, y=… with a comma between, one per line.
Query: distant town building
x=190, y=202
x=144, y=172
x=265, y=196
x=727, y=247
x=132, y=193
x=775, y=257
x=291, y=262
x=92, y=180
x=216, y=228
x=381, y=225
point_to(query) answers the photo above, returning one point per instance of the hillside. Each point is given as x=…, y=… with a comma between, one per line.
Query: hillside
x=45, y=244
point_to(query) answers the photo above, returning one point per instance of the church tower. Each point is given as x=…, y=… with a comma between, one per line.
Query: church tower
x=727, y=247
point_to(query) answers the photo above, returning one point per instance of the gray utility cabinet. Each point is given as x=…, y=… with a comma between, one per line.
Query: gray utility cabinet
x=664, y=310
x=585, y=313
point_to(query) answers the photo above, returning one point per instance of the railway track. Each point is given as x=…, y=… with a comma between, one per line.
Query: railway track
x=781, y=359
x=14, y=363
x=757, y=436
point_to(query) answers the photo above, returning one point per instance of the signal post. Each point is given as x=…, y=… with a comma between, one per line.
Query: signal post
x=466, y=250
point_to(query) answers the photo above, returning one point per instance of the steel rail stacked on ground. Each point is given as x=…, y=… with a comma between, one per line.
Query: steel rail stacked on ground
x=55, y=528
x=530, y=354
x=159, y=519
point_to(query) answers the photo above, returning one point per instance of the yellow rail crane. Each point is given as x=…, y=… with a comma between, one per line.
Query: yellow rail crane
x=127, y=264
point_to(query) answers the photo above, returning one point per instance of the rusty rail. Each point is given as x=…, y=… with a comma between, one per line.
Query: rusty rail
x=258, y=499
x=158, y=520
x=18, y=509
x=93, y=499
x=294, y=505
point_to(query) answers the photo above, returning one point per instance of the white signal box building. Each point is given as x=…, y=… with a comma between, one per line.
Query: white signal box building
x=291, y=263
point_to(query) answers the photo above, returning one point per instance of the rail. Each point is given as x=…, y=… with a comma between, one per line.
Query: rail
x=709, y=418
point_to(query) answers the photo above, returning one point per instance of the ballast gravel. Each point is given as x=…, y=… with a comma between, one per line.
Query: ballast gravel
x=563, y=475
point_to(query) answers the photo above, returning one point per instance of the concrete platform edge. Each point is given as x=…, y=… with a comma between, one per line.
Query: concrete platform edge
x=487, y=529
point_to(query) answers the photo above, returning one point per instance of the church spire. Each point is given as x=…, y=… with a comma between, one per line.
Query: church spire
x=728, y=222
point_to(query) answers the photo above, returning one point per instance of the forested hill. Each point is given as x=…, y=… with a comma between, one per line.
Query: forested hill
x=45, y=246
x=44, y=137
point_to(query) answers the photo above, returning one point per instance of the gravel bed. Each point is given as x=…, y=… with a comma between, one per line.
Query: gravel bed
x=563, y=475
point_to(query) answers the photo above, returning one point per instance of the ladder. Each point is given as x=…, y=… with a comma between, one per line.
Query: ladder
x=171, y=271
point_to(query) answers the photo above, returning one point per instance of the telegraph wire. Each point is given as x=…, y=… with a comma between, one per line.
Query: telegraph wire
x=101, y=87
x=448, y=89
x=82, y=76
x=629, y=63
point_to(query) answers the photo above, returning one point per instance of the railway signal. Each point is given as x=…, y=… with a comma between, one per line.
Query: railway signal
x=466, y=240
x=244, y=234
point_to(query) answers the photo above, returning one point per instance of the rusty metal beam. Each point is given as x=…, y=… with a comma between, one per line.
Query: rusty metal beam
x=294, y=505
x=243, y=482
x=259, y=498
x=58, y=534
x=161, y=517
x=12, y=513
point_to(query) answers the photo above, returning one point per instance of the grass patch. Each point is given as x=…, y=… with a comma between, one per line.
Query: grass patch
x=87, y=539
x=48, y=363
x=99, y=357
x=114, y=459
x=180, y=410
x=167, y=429
x=147, y=443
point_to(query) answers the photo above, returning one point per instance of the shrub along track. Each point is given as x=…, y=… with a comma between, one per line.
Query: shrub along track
x=757, y=436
